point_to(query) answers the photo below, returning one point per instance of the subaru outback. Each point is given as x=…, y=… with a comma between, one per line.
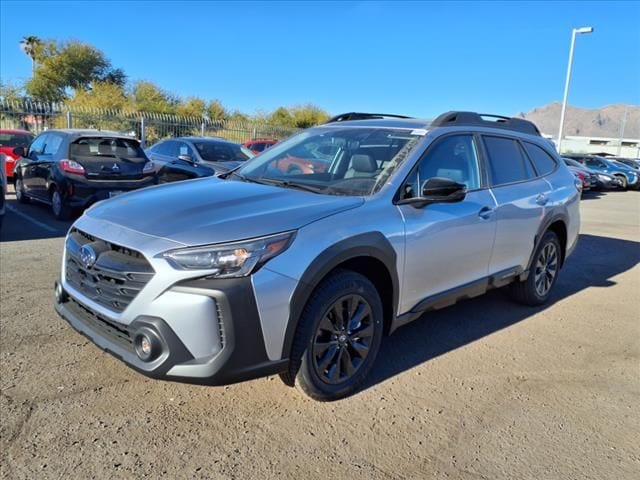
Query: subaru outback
x=263, y=271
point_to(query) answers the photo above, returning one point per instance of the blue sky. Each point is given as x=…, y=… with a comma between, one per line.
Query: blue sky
x=413, y=58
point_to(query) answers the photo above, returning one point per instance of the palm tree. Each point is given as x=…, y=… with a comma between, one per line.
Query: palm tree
x=29, y=46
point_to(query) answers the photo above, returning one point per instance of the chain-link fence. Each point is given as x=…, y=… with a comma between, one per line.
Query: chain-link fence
x=149, y=127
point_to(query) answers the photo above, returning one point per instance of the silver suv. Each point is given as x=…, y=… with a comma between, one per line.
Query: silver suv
x=301, y=260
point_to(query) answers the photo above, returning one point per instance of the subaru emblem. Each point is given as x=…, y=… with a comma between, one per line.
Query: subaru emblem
x=88, y=256
x=115, y=168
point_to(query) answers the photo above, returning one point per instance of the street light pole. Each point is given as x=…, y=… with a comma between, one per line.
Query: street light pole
x=568, y=80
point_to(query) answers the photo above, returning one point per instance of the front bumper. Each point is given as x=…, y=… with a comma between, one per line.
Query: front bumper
x=222, y=311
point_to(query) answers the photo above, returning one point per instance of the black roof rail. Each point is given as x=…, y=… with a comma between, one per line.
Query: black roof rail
x=451, y=119
x=343, y=117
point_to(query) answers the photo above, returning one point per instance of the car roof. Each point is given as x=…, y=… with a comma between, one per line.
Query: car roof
x=203, y=139
x=89, y=132
x=408, y=123
x=15, y=130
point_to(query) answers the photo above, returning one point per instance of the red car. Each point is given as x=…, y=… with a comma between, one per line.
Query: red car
x=258, y=145
x=10, y=139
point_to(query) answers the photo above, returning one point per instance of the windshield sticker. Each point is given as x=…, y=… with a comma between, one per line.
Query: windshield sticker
x=419, y=131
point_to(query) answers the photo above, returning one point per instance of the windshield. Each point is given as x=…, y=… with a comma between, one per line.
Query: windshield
x=213, y=151
x=336, y=161
x=15, y=139
x=107, y=147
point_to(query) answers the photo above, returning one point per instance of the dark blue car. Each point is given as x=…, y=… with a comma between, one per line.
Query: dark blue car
x=630, y=178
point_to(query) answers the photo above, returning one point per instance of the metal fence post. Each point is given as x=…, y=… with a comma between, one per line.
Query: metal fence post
x=202, y=129
x=255, y=133
x=143, y=133
x=69, y=120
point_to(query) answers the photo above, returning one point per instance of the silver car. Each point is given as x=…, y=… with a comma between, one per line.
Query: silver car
x=301, y=272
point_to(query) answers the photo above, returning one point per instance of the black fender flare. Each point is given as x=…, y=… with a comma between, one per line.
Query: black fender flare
x=542, y=229
x=372, y=244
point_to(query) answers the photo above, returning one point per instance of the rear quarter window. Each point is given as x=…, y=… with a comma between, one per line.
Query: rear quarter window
x=543, y=162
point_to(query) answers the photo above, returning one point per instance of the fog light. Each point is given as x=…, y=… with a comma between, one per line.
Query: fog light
x=147, y=344
x=60, y=294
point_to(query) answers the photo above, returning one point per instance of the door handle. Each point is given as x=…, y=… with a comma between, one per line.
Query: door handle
x=542, y=199
x=486, y=212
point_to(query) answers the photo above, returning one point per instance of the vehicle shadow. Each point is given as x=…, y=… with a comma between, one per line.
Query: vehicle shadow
x=594, y=263
x=30, y=222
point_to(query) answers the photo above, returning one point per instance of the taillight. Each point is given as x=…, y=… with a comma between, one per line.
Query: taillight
x=149, y=168
x=70, y=166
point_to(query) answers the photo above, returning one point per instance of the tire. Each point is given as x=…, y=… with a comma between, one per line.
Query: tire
x=60, y=209
x=21, y=197
x=624, y=181
x=329, y=362
x=543, y=273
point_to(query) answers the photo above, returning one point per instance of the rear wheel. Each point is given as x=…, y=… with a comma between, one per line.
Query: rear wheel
x=623, y=179
x=543, y=273
x=338, y=337
x=59, y=207
x=21, y=197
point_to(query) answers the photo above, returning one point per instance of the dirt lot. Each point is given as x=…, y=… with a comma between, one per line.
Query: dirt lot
x=486, y=389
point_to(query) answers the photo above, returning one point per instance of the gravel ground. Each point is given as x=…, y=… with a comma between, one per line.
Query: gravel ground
x=486, y=389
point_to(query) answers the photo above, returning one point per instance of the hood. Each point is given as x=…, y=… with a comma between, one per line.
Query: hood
x=210, y=210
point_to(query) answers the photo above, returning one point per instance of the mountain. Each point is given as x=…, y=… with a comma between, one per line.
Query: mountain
x=602, y=122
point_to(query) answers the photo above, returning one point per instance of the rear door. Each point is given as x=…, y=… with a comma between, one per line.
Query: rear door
x=29, y=166
x=45, y=164
x=521, y=198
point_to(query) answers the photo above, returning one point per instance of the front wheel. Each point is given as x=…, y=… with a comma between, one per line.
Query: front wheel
x=543, y=273
x=59, y=207
x=623, y=180
x=338, y=337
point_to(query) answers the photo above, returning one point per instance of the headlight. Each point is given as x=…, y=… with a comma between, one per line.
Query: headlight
x=237, y=259
x=604, y=178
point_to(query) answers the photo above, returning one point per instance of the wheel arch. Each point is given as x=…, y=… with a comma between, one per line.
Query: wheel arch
x=558, y=224
x=369, y=254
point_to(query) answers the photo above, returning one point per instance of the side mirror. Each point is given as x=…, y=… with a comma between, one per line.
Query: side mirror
x=20, y=152
x=187, y=158
x=438, y=190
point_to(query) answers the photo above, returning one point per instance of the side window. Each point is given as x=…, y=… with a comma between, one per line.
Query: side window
x=184, y=149
x=37, y=146
x=165, y=148
x=543, y=162
x=592, y=162
x=507, y=162
x=52, y=144
x=454, y=157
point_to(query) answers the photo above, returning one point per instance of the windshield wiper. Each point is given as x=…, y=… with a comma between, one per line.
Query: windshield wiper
x=286, y=184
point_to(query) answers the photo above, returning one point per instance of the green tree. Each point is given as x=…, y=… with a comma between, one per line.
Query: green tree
x=305, y=116
x=282, y=116
x=148, y=97
x=238, y=116
x=216, y=111
x=10, y=93
x=103, y=95
x=31, y=46
x=65, y=68
x=191, y=107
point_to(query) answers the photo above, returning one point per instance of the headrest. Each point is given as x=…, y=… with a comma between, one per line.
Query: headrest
x=361, y=162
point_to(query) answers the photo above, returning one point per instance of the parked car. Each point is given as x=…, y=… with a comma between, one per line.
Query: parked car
x=10, y=139
x=72, y=169
x=258, y=145
x=599, y=180
x=3, y=186
x=259, y=271
x=629, y=162
x=193, y=157
x=628, y=177
x=583, y=177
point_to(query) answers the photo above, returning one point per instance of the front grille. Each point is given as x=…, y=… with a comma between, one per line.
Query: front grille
x=116, y=277
x=110, y=330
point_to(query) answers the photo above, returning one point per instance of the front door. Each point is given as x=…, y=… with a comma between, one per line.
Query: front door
x=448, y=245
